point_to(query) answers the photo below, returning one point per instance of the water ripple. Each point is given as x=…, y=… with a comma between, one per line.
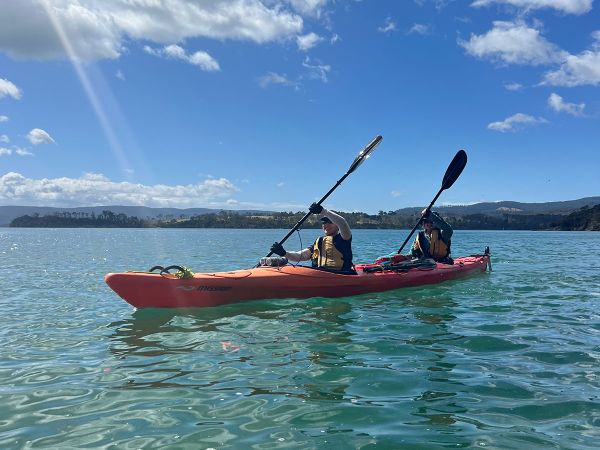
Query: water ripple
x=505, y=360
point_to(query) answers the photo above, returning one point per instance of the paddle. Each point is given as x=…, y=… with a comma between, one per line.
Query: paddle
x=362, y=156
x=452, y=173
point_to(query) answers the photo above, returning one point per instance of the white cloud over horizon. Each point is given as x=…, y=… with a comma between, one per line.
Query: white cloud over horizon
x=95, y=190
x=515, y=122
x=3, y=118
x=100, y=30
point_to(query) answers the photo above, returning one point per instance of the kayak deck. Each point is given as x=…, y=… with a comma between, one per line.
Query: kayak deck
x=154, y=290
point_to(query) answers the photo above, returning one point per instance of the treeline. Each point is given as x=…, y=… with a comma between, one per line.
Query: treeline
x=107, y=219
x=229, y=219
x=584, y=219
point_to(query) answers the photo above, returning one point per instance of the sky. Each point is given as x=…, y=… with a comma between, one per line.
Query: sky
x=264, y=104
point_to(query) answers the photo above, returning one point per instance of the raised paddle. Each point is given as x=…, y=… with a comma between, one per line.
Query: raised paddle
x=362, y=156
x=452, y=173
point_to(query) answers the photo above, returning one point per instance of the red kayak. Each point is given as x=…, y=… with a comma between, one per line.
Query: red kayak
x=165, y=290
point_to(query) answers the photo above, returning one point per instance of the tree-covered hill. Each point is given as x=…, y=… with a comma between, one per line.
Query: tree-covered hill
x=496, y=209
x=584, y=219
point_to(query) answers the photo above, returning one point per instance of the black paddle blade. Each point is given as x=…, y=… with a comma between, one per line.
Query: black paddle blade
x=454, y=169
x=364, y=154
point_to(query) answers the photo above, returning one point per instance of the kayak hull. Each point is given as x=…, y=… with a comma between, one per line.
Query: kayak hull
x=153, y=290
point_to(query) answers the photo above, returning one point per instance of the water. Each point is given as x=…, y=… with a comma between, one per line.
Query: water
x=507, y=360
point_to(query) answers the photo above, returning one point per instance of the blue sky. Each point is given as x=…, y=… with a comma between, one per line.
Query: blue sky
x=248, y=104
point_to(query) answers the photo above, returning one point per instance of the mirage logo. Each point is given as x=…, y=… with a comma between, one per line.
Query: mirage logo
x=213, y=288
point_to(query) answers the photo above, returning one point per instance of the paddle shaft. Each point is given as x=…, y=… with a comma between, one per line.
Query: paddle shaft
x=419, y=221
x=357, y=161
x=453, y=171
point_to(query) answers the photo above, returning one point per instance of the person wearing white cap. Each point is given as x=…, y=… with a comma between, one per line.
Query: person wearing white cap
x=333, y=251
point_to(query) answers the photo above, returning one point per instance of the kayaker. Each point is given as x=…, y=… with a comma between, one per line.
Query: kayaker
x=434, y=241
x=333, y=251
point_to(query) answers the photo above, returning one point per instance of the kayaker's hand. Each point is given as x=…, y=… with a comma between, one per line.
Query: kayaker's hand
x=315, y=208
x=278, y=249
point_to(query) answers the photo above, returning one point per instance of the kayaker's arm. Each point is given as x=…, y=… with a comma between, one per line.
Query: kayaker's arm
x=345, y=231
x=445, y=229
x=303, y=255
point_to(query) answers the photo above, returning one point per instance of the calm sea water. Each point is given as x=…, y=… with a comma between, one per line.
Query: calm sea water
x=506, y=360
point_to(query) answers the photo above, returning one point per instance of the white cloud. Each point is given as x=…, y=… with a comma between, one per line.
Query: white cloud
x=38, y=136
x=388, y=26
x=275, y=78
x=3, y=118
x=200, y=58
x=513, y=43
x=8, y=88
x=576, y=70
x=515, y=122
x=98, y=30
x=96, y=189
x=15, y=150
x=120, y=75
x=308, y=41
x=23, y=152
x=419, y=28
x=4, y=138
x=396, y=194
x=513, y=86
x=565, y=6
x=557, y=103
x=42, y=29
x=317, y=71
x=309, y=7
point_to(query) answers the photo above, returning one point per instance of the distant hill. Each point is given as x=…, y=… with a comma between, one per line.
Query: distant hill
x=9, y=213
x=493, y=209
x=508, y=207
x=586, y=219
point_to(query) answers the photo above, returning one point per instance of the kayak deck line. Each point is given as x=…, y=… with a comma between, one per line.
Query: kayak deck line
x=166, y=290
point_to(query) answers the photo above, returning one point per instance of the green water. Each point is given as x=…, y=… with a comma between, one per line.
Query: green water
x=507, y=360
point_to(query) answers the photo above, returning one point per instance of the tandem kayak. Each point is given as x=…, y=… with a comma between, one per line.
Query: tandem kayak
x=165, y=290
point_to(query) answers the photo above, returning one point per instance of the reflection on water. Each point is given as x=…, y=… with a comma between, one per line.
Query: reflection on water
x=507, y=360
x=301, y=353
